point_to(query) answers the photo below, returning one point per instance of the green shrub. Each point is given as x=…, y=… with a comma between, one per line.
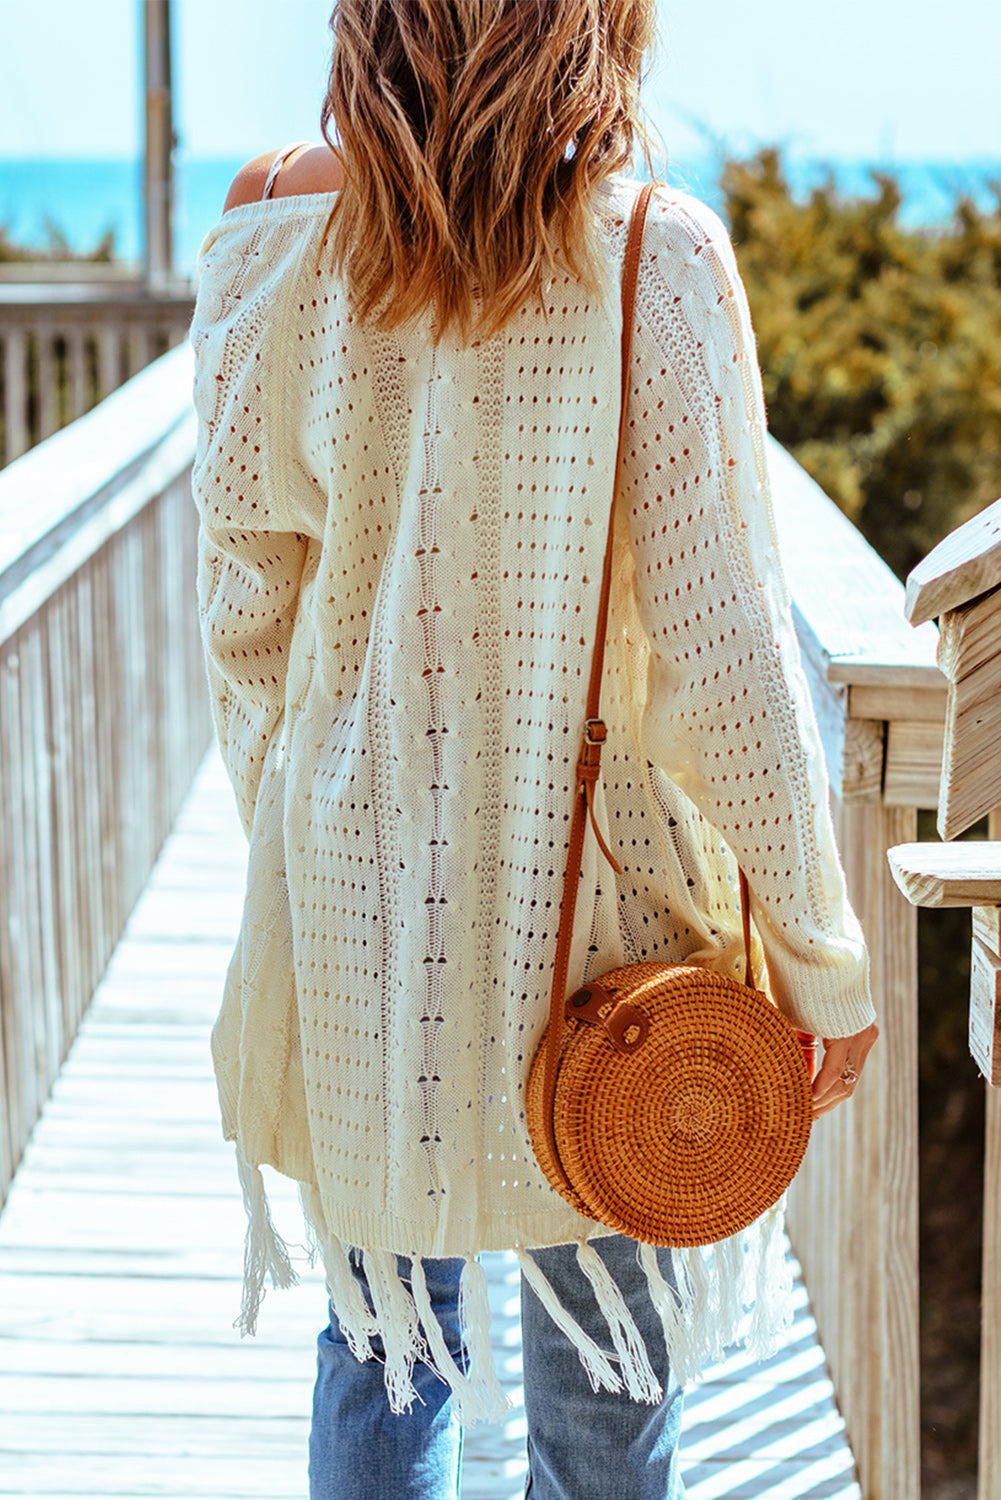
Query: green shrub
x=880, y=348
x=56, y=248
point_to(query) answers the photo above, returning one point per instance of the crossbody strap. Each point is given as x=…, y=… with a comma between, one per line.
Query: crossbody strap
x=589, y=763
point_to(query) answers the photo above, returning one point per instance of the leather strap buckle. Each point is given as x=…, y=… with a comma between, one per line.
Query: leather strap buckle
x=626, y=1026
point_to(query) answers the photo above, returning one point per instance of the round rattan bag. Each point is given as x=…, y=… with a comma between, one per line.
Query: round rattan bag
x=682, y=1106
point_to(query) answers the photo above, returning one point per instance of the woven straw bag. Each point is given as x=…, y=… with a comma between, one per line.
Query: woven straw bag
x=668, y=1102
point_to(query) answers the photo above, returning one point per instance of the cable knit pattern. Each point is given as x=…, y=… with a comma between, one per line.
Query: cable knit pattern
x=401, y=556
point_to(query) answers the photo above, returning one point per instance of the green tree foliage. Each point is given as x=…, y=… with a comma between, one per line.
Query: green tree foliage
x=880, y=348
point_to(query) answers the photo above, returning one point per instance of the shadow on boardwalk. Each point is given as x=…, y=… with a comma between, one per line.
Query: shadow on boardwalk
x=120, y=1262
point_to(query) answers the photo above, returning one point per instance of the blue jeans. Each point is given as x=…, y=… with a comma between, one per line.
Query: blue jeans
x=582, y=1444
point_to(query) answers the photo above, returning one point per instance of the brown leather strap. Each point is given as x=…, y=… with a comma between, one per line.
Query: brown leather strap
x=589, y=764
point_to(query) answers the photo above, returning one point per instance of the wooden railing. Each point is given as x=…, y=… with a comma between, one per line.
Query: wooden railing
x=104, y=717
x=103, y=709
x=63, y=348
x=853, y=1216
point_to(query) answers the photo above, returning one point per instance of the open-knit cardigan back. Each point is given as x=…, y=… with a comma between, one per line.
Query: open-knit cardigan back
x=401, y=549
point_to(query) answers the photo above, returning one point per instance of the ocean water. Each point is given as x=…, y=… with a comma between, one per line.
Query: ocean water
x=84, y=200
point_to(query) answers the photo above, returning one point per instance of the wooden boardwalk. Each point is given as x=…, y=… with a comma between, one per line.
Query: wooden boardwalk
x=120, y=1261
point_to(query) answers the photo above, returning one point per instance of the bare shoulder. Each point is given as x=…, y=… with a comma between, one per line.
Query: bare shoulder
x=248, y=184
x=309, y=169
x=312, y=170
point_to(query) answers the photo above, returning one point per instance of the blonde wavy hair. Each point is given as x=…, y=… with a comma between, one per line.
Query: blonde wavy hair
x=471, y=134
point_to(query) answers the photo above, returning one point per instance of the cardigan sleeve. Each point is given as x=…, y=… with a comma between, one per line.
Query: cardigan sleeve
x=727, y=713
x=250, y=556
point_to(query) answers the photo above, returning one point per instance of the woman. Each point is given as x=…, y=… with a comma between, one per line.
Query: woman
x=407, y=383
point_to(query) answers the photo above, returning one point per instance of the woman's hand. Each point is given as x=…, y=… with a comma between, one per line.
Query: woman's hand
x=844, y=1057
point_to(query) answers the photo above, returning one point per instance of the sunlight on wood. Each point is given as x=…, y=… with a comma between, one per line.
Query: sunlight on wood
x=120, y=1264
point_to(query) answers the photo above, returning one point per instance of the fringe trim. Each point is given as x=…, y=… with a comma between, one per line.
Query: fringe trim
x=738, y=1291
x=265, y=1252
x=641, y=1383
x=598, y=1367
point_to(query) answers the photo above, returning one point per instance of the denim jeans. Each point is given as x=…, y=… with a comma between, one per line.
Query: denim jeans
x=582, y=1444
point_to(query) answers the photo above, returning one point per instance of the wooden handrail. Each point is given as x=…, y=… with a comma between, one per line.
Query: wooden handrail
x=66, y=346
x=853, y=1210
x=103, y=708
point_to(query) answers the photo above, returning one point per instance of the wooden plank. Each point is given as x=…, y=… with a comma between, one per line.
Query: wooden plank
x=46, y=566
x=971, y=782
x=139, y=347
x=101, y=1388
x=864, y=751
x=849, y=612
x=11, y=1141
x=917, y=704
x=913, y=764
x=985, y=1011
x=987, y=926
x=19, y=902
x=47, y=377
x=78, y=383
x=48, y=916
x=110, y=338
x=970, y=635
x=965, y=564
x=86, y=762
x=63, y=683
x=948, y=874
x=15, y=367
x=45, y=487
x=990, y=1327
x=853, y=1207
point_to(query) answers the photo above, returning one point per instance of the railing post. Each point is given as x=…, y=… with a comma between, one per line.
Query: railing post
x=989, y=1459
x=159, y=144
x=853, y=1210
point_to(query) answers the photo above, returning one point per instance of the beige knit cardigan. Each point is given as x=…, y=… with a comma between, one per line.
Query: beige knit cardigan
x=401, y=545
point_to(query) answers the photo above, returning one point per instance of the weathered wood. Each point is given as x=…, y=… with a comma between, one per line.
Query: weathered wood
x=118, y=320
x=77, y=379
x=970, y=635
x=15, y=369
x=987, y=926
x=990, y=1325
x=948, y=874
x=971, y=775
x=862, y=770
x=849, y=608
x=47, y=380
x=882, y=701
x=110, y=342
x=985, y=1011
x=98, y=1381
x=853, y=1208
x=964, y=564
x=86, y=791
x=913, y=769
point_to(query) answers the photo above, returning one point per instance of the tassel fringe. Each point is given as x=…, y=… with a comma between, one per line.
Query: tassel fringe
x=399, y=1325
x=488, y=1402
x=641, y=1383
x=737, y=1291
x=265, y=1252
x=599, y=1370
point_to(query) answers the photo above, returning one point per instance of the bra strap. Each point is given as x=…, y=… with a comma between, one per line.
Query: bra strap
x=277, y=164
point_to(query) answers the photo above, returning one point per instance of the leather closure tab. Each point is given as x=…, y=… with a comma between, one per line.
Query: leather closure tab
x=625, y=1025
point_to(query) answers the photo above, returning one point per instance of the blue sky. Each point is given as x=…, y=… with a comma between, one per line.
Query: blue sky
x=860, y=79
